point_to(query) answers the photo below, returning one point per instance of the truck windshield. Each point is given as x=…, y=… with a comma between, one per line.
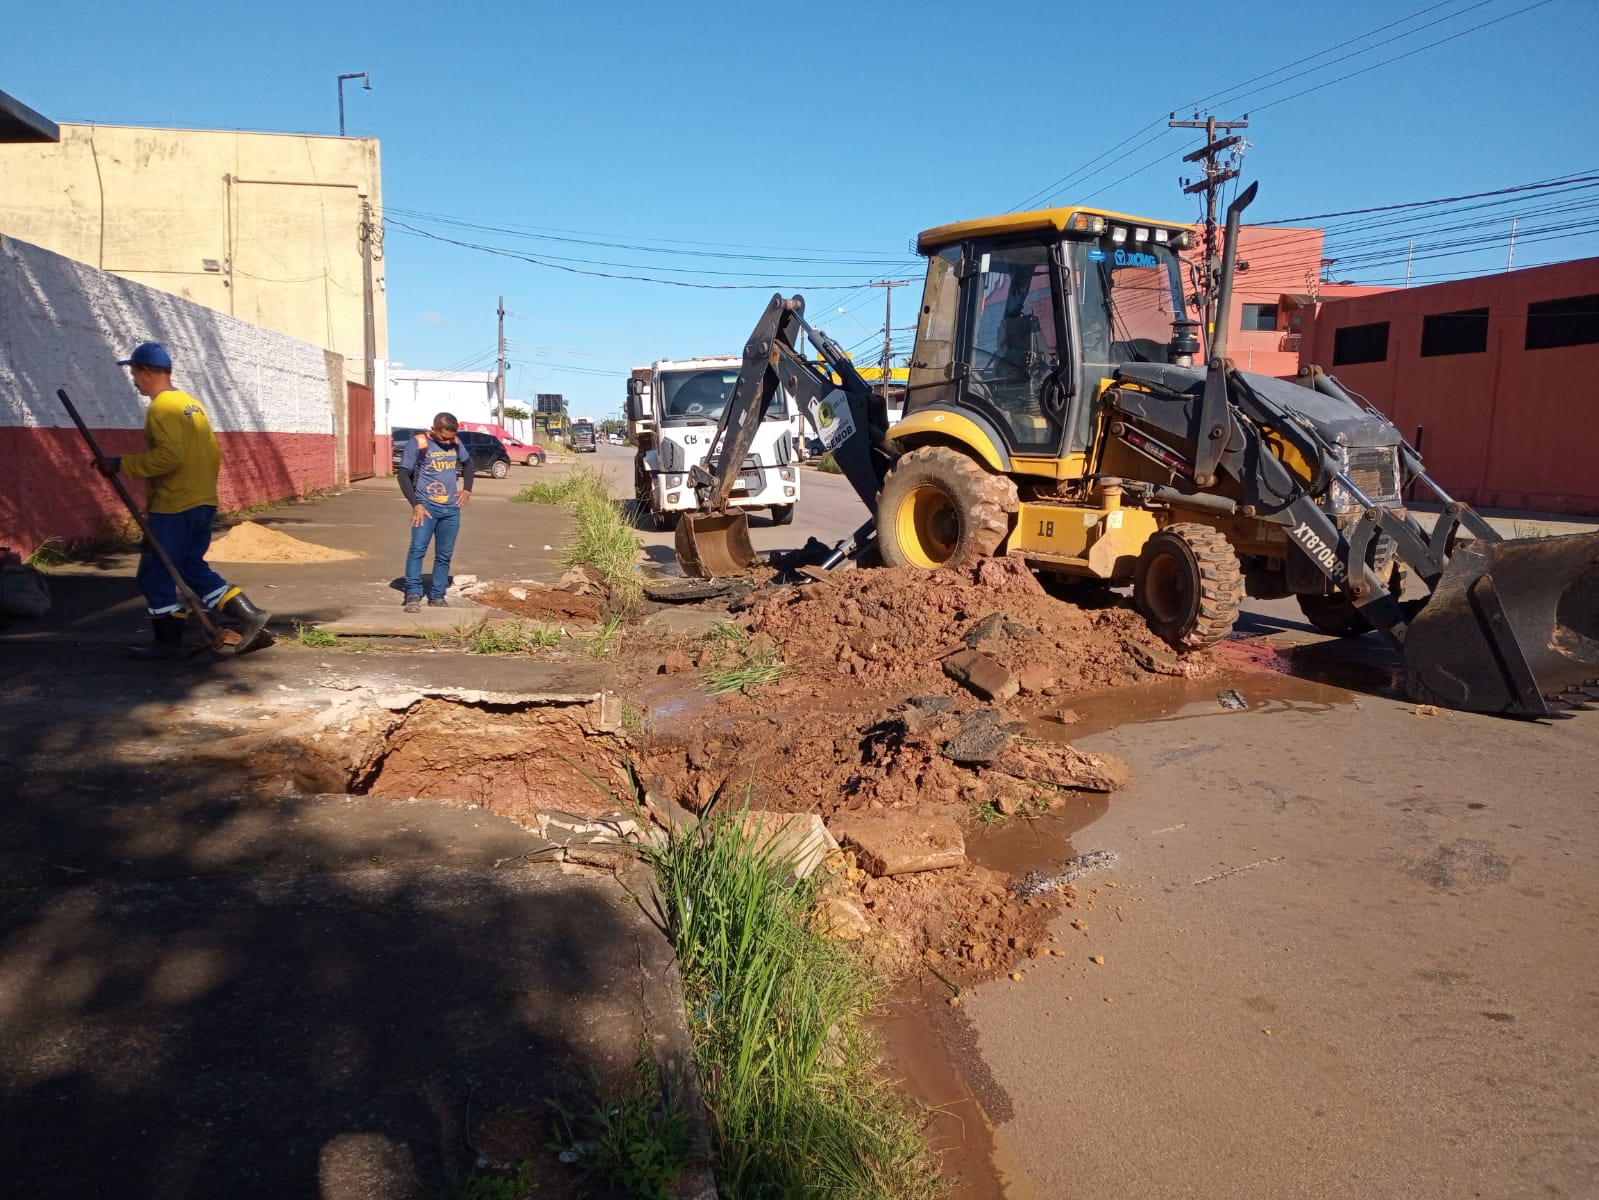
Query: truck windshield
x=702, y=395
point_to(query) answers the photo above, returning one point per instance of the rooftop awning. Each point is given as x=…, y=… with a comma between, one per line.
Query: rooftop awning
x=19, y=123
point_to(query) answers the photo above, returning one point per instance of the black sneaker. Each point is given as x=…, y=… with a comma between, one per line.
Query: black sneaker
x=413, y=604
x=441, y=602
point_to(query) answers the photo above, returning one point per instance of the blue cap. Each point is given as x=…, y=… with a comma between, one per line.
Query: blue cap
x=148, y=354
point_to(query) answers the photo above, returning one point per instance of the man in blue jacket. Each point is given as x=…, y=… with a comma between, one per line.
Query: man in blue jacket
x=427, y=477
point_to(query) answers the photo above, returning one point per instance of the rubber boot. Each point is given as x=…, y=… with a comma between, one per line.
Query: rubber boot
x=250, y=618
x=166, y=643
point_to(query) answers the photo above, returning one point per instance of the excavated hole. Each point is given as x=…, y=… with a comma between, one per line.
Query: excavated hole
x=514, y=759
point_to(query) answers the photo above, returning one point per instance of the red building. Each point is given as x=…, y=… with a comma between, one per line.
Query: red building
x=1495, y=379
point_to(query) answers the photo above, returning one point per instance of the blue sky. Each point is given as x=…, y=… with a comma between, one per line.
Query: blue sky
x=801, y=148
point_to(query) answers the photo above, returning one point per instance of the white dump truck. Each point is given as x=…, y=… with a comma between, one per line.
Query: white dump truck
x=673, y=407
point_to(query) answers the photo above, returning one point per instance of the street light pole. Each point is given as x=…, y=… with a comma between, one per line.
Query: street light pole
x=362, y=75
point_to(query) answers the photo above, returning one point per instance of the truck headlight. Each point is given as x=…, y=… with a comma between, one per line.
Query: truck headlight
x=671, y=497
x=788, y=493
x=787, y=475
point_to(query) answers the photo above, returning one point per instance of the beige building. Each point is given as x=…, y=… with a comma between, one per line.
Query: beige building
x=268, y=227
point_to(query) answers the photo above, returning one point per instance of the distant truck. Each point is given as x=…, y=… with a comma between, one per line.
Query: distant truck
x=581, y=438
x=672, y=410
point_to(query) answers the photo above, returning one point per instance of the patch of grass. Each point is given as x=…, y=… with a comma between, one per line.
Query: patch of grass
x=51, y=552
x=310, y=635
x=752, y=666
x=828, y=465
x=639, y=1142
x=608, y=638
x=798, y=1104
x=988, y=814
x=519, y=1183
x=604, y=537
x=513, y=638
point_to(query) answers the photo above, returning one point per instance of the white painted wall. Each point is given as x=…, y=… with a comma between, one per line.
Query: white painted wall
x=65, y=325
x=413, y=398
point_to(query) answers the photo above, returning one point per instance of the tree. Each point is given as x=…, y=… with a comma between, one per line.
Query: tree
x=515, y=413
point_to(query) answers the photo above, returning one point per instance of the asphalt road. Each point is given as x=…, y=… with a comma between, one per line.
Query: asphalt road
x=1349, y=952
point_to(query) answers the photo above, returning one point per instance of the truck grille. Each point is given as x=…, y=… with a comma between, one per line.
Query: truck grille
x=1375, y=471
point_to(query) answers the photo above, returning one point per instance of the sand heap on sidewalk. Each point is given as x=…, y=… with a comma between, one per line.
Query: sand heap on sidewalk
x=249, y=542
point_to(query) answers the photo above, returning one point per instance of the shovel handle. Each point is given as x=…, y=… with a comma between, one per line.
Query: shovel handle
x=185, y=592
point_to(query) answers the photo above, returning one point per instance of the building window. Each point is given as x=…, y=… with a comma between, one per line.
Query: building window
x=1360, y=344
x=1573, y=321
x=1464, y=332
x=1260, y=318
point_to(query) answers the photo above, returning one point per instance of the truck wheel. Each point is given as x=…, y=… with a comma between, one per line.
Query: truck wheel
x=941, y=508
x=1188, y=585
x=1335, y=615
x=782, y=514
x=666, y=521
x=500, y=469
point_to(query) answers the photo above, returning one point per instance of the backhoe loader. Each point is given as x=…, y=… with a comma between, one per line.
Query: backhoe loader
x=1055, y=414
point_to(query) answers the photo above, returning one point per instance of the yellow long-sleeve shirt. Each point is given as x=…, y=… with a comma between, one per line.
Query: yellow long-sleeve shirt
x=181, y=458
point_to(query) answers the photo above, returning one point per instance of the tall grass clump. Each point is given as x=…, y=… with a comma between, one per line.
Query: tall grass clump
x=604, y=538
x=797, y=1103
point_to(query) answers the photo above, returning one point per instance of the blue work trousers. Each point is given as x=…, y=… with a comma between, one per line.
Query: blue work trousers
x=441, y=525
x=185, y=536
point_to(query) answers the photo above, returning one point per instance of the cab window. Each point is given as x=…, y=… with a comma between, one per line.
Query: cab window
x=1012, y=346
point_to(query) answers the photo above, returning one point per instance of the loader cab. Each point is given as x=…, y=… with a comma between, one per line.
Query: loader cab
x=1024, y=316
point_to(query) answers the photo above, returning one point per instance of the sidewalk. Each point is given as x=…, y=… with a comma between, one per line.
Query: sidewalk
x=216, y=983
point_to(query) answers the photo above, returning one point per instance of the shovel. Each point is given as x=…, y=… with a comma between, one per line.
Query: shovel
x=1511, y=628
x=215, y=636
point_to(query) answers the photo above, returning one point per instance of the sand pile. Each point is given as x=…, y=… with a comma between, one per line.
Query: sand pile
x=249, y=542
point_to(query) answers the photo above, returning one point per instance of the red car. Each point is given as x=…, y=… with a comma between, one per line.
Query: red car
x=526, y=453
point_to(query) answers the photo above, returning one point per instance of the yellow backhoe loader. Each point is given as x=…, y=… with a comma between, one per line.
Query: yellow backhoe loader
x=1055, y=414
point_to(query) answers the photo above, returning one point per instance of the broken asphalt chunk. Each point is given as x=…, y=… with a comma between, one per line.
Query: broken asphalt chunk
x=981, y=675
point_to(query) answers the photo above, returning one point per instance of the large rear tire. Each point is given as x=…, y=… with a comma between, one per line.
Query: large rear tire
x=941, y=508
x=1188, y=585
x=782, y=514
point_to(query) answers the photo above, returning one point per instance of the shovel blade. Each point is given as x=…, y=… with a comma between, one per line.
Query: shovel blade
x=714, y=546
x=1510, y=627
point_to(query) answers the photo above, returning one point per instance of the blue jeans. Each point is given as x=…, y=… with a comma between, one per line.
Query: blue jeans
x=185, y=536
x=440, y=526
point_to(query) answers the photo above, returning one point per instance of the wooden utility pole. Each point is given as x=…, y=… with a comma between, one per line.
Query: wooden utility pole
x=369, y=232
x=500, y=383
x=1215, y=177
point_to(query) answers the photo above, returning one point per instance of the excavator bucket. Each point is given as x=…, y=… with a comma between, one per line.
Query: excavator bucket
x=1511, y=628
x=712, y=546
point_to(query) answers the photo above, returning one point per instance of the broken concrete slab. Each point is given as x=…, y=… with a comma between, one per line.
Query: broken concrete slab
x=981, y=675
x=1035, y=678
x=983, y=736
x=901, y=843
x=1063, y=766
x=800, y=839
x=843, y=918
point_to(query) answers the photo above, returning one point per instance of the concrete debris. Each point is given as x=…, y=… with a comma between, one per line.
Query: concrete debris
x=901, y=843
x=981, y=675
x=566, y=829
x=1039, y=883
x=1157, y=659
x=1232, y=700
x=800, y=839
x=983, y=736
x=996, y=625
x=1035, y=678
x=1064, y=767
x=844, y=919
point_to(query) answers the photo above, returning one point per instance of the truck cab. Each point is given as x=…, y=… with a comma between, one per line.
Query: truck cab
x=676, y=405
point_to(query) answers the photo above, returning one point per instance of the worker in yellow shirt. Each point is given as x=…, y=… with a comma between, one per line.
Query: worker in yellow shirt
x=180, y=461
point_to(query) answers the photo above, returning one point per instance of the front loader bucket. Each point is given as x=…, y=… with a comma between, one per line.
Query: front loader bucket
x=1511, y=628
x=714, y=546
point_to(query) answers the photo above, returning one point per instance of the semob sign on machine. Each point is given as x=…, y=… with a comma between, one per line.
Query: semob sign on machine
x=673, y=407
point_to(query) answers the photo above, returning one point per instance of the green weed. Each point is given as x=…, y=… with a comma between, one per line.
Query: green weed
x=752, y=665
x=798, y=1105
x=828, y=465
x=310, y=635
x=561, y=492
x=519, y=1184
x=51, y=552
x=515, y=637
x=608, y=638
x=639, y=1142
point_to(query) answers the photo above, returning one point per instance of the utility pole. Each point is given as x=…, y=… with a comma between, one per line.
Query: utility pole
x=1216, y=176
x=369, y=234
x=888, y=287
x=500, y=385
x=1510, y=256
x=1409, y=254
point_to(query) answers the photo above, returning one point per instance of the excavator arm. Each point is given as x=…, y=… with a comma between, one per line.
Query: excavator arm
x=843, y=413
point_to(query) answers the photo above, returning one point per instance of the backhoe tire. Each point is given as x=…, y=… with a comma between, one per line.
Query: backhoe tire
x=942, y=508
x=782, y=514
x=1334, y=615
x=665, y=521
x=1188, y=585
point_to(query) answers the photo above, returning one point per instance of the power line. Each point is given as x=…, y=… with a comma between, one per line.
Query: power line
x=1505, y=191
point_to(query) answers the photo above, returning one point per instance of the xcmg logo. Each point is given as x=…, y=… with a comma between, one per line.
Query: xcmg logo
x=1135, y=258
